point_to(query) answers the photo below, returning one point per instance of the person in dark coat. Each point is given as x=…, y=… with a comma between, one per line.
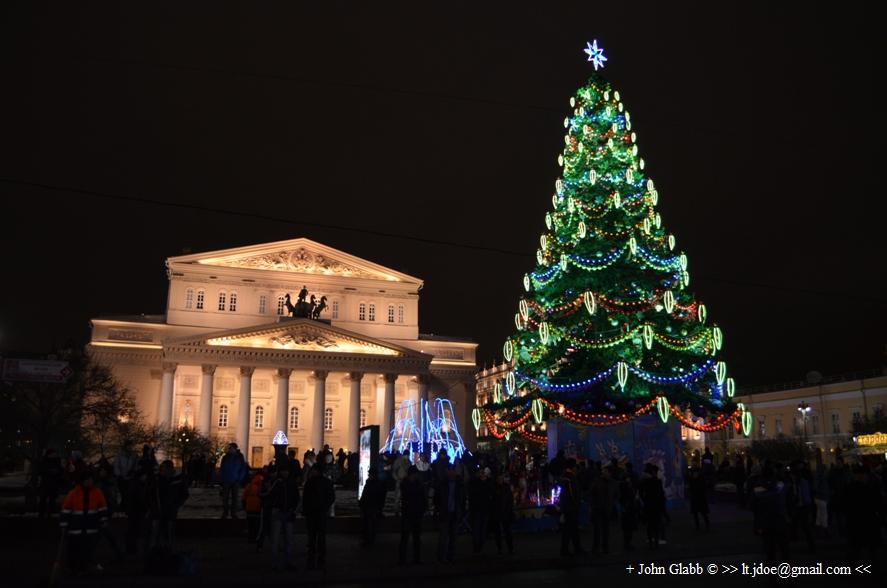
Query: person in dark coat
x=628, y=507
x=653, y=498
x=570, y=502
x=864, y=508
x=231, y=475
x=603, y=494
x=768, y=502
x=318, y=497
x=371, y=502
x=502, y=513
x=51, y=474
x=480, y=501
x=698, y=499
x=166, y=495
x=413, y=503
x=449, y=506
x=283, y=499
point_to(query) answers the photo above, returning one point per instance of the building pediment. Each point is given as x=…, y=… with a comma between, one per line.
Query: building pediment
x=296, y=256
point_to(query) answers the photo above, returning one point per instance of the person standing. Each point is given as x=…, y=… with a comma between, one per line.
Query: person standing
x=603, y=502
x=51, y=474
x=252, y=505
x=628, y=506
x=166, y=495
x=768, y=503
x=448, y=505
x=480, y=502
x=502, y=513
x=371, y=502
x=570, y=502
x=231, y=473
x=84, y=512
x=653, y=498
x=412, y=509
x=319, y=497
x=283, y=498
x=125, y=465
x=698, y=498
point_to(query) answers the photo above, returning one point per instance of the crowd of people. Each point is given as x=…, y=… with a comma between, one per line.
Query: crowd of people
x=477, y=494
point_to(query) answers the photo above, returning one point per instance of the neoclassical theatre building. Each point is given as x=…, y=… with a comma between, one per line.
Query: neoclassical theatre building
x=228, y=358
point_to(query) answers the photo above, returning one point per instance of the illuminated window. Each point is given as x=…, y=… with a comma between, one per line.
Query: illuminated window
x=334, y=309
x=363, y=417
x=200, y=296
x=778, y=425
x=372, y=312
x=294, y=418
x=362, y=311
x=836, y=423
x=223, y=416
x=390, y=313
x=328, y=419
x=400, y=310
x=232, y=302
x=222, y=298
x=259, y=421
x=281, y=304
x=189, y=298
x=263, y=303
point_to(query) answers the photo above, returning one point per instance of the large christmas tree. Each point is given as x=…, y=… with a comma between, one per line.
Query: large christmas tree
x=607, y=328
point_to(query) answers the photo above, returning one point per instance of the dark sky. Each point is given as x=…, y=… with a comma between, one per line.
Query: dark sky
x=759, y=125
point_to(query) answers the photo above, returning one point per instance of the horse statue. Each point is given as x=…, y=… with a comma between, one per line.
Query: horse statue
x=321, y=306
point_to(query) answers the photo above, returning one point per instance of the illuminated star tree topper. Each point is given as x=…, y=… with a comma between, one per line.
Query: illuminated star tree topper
x=595, y=54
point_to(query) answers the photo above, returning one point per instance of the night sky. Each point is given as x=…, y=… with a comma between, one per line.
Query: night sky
x=758, y=124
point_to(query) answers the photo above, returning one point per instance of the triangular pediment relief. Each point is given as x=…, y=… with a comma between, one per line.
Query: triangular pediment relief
x=301, y=256
x=299, y=335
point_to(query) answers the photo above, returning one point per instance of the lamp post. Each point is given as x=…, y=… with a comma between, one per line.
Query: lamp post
x=280, y=443
x=804, y=409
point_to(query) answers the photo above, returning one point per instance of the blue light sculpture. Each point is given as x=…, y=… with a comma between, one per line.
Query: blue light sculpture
x=430, y=432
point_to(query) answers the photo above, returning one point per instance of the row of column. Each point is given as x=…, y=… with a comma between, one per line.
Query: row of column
x=204, y=413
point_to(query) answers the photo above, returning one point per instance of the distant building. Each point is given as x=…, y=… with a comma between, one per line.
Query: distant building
x=228, y=359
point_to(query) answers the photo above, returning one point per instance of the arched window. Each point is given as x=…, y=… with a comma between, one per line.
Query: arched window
x=232, y=302
x=328, y=419
x=259, y=421
x=362, y=311
x=400, y=312
x=263, y=304
x=294, y=418
x=189, y=298
x=222, y=297
x=390, y=313
x=201, y=294
x=281, y=304
x=372, y=312
x=223, y=416
x=363, y=417
x=334, y=309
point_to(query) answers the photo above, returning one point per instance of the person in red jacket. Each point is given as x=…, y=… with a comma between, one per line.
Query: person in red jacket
x=84, y=512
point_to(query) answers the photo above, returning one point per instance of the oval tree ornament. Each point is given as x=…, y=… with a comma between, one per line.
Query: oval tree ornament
x=524, y=310
x=544, y=332
x=671, y=242
x=538, y=408
x=717, y=337
x=731, y=387
x=617, y=200
x=543, y=241
x=540, y=257
x=548, y=220
x=590, y=305
x=683, y=260
x=668, y=300
x=518, y=324
x=509, y=384
x=663, y=408
x=475, y=418
x=497, y=392
x=564, y=260
x=720, y=372
x=702, y=313
x=648, y=336
x=657, y=220
x=508, y=350
x=633, y=245
x=527, y=282
x=592, y=177
x=581, y=230
x=622, y=373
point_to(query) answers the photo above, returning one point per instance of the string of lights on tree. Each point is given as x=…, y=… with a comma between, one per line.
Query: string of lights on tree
x=607, y=328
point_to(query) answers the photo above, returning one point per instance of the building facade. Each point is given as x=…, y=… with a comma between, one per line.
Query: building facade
x=227, y=358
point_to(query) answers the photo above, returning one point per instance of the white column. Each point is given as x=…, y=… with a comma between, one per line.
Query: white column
x=283, y=399
x=319, y=406
x=243, y=410
x=204, y=414
x=354, y=411
x=164, y=410
x=387, y=406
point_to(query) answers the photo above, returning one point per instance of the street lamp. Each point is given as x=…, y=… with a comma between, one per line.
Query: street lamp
x=804, y=409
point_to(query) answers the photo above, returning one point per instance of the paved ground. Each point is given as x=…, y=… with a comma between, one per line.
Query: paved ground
x=224, y=558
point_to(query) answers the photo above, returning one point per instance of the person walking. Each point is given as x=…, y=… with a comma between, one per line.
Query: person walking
x=698, y=499
x=412, y=509
x=502, y=513
x=319, y=497
x=570, y=503
x=84, y=512
x=231, y=474
x=653, y=498
x=480, y=501
x=371, y=502
x=283, y=499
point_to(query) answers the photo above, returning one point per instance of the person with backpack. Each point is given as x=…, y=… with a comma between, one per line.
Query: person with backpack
x=319, y=497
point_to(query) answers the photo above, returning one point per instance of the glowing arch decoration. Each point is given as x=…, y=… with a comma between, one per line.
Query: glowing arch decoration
x=427, y=430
